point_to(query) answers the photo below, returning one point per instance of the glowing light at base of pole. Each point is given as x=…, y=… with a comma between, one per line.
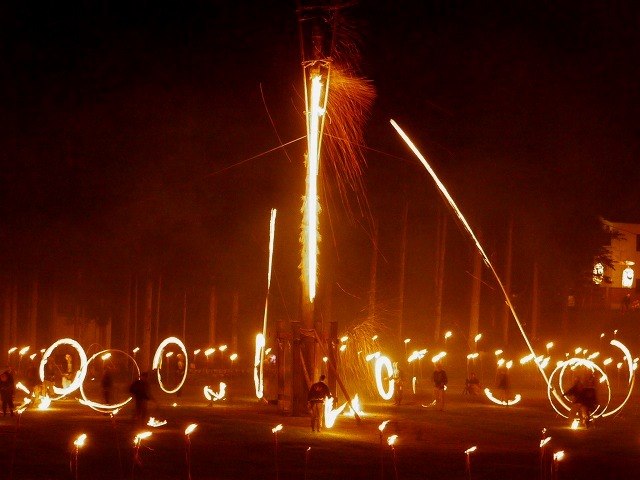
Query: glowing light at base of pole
x=80, y=374
x=384, y=362
x=497, y=401
x=157, y=358
x=257, y=377
x=45, y=403
x=355, y=407
x=330, y=414
x=311, y=208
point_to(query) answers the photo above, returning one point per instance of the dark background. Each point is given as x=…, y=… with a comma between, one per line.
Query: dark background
x=131, y=135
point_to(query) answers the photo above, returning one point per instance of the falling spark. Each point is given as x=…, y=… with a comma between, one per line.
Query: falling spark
x=463, y=220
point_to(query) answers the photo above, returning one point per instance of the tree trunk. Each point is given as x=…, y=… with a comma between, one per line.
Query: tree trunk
x=147, y=320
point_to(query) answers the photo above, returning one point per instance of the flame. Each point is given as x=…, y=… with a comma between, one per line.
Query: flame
x=156, y=423
x=190, y=428
x=45, y=403
x=20, y=386
x=544, y=441
x=470, y=450
x=141, y=436
x=330, y=414
x=277, y=428
x=212, y=396
x=355, y=407
x=79, y=442
x=383, y=425
x=392, y=440
x=558, y=455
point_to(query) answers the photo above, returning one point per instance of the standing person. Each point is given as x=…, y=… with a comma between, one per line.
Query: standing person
x=398, y=378
x=440, y=381
x=502, y=382
x=107, y=384
x=142, y=394
x=317, y=393
x=7, y=391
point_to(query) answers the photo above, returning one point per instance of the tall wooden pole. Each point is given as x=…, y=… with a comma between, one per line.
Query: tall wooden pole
x=403, y=262
x=441, y=248
x=506, y=313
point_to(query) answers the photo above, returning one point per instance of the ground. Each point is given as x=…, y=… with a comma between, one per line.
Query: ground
x=234, y=440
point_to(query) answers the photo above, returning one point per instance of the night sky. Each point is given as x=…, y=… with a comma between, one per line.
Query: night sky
x=143, y=137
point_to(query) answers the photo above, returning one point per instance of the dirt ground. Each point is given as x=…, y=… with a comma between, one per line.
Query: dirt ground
x=234, y=440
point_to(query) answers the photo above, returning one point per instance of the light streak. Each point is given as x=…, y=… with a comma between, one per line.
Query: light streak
x=258, y=370
x=80, y=374
x=490, y=396
x=330, y=414
x=315, y=112
x=463, y=220
x=384, y=362
x=20, y=386
x=103, y=407
x=257, y=364
x=158, y=357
